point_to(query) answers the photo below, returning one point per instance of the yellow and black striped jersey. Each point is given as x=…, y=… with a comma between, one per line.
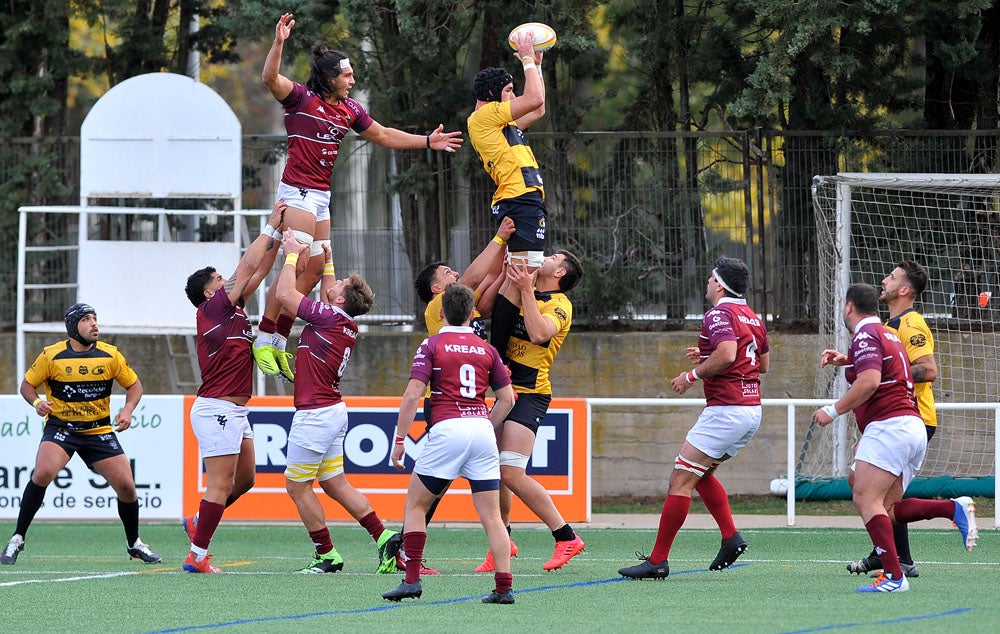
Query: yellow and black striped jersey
x=505, y=153
x=912, y=330
x=529, y=362
x=433, y=318
x=78, y=384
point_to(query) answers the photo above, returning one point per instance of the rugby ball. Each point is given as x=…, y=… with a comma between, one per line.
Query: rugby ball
x=545, y=35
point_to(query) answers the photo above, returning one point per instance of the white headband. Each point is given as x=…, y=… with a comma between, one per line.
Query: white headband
x=344, y=63
x=718, y=278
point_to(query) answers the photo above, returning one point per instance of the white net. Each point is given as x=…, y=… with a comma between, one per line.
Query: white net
x=866, y=223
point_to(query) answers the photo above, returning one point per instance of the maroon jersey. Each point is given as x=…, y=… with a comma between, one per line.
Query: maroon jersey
x=876, y=348
x=325, y=347
x=224, y=339
x=458, y=366
x=315, y=129
x=732, y=320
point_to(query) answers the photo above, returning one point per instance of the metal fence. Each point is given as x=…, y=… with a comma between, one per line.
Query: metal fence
x=647, y=212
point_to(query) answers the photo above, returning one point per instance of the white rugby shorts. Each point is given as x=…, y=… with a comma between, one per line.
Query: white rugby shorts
x=897, y=445
x=465, y=447
x=724, y=429
x=314, y=201
x=220, y=426
x=316, y=443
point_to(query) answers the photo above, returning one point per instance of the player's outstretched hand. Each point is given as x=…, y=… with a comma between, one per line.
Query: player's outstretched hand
x=284, y=27
x=445, y=141
x=525, y=41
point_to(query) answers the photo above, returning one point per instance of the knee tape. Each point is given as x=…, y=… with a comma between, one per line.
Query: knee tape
x=302, y=237
x=682, y=464
x=533, y=259
x=316, y=248
x=513, y=459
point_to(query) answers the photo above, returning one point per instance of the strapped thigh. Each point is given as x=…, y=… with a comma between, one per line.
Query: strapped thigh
x=683, y=464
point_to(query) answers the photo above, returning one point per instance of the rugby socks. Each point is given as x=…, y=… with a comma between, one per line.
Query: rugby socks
x=129, y=514
x=880, y=530
x=901, y=536
x=914, y=509
x=209, y=516
x=502, y=324
x=31, y=501
x=413, y=545
x=373, y=525
x=321, y=540
x=284, y=326
x=713, y=494
x=265, y=330
x=675, y=511
x=504, y=581
x=430, y=510
x=562, y=534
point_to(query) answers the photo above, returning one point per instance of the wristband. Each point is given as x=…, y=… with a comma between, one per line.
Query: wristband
x=499, y=240
x=529, y=66
x=539, y=70
x=328, y=269
x=270, y=232
x=37, y=401
x=831, y=411
x=291, y=258
x=692, y=376
x=400, y=439
x=428, y=141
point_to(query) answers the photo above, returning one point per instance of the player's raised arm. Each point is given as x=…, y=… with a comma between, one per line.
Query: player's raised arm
x=279, y=85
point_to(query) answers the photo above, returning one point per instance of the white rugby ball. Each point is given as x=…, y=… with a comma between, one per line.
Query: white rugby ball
x=545, y=35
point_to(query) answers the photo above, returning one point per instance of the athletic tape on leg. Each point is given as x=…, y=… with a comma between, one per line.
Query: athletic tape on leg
x=316, y=248
x=681, y=464
x=533, y=259
x=513, y=459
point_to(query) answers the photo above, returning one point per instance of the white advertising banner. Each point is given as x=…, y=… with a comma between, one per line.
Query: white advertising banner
x=154, y=444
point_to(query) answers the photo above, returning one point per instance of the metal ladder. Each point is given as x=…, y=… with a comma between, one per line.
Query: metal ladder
x=182, y=369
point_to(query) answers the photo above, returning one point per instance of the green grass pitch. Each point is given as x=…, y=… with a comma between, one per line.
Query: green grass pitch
x=76, y=577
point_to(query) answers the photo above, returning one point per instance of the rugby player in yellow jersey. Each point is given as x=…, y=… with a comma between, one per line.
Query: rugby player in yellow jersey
x=496, y=132
x=78, y=374
x=900, y=289
x=480, y=274
x=537, y=304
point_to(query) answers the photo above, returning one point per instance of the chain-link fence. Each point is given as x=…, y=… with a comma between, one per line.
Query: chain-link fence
x=647, y=212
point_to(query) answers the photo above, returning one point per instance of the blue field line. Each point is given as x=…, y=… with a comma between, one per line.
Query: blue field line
x=905, y=619
x=396, y=606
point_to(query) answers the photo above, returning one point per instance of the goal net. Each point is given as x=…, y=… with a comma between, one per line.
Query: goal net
x=950, y=224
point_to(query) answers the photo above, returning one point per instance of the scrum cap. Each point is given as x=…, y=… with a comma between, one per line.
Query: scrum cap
x=74, y=314
x=490, y=83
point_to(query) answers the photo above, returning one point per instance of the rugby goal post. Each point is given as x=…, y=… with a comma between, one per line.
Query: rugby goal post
x=950, y=223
